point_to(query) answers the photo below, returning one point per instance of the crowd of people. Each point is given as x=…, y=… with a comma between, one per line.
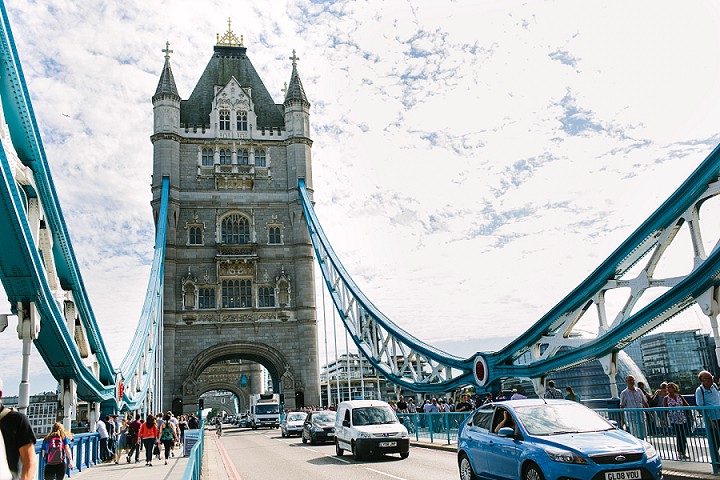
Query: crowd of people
x=118, y=438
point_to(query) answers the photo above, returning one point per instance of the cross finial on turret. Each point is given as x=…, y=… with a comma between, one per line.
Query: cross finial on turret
x=167, y=51
x=229, y=39
x=294, y=58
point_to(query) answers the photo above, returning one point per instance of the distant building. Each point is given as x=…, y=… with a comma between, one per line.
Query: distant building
x=676, y=357
x=42, y=411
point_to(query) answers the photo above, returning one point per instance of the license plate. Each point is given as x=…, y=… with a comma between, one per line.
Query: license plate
x=625, y=475
x=394, y=444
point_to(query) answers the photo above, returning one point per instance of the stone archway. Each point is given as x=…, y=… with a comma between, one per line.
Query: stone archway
x=278, y=367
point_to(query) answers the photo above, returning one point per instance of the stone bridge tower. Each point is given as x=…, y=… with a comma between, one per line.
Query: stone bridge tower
x=239, y=280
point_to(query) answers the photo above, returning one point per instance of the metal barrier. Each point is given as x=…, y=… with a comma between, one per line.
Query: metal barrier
x=685, y=434
x=84, y=449
x=194, y=465
x=440, y=427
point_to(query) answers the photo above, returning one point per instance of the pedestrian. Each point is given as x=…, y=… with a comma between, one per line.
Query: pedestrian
x=411, y=405
x=402, y=406
x=464, y=404
x=633, y=397
x=677, y=418
x=133, y=440
x=516, y=395
x=55, y=450
x=101, y=428
x=182, y=425
x=553, y=392
x=193, y=423
x=149, y=436
x=488, y=399
x=708, y=395
x=122, y=438
x=168, y=435
x=500, y=396
x=18, y=444
x=571, y=395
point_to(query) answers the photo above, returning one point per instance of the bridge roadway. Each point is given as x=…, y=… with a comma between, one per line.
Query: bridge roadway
x=243, y=454
x=253, y=454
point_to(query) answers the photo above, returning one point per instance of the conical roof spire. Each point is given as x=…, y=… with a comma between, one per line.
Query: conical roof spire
x=166, y=85
x=295, y=91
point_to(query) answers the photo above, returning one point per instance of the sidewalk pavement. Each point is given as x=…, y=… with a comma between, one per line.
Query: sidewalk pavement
x=137, y=471
x=672, y=470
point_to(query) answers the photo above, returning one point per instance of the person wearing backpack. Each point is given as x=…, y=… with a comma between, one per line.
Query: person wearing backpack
x=55, y=450
x=168, y=436
x=132, y=438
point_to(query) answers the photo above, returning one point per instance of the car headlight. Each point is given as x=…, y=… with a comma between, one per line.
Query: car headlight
x=404, y=434
x=364, y=435
x=649, y=450
x=564, y=456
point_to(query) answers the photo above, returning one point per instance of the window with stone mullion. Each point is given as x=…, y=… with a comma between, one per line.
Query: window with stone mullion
x=242, y=122
x=224, y=120
x=206, y=298
x=266, y=297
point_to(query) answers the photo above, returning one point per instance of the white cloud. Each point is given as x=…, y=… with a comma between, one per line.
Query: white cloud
x=473, y=161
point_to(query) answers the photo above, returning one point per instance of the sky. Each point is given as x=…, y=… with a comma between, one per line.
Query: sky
x=473, y=161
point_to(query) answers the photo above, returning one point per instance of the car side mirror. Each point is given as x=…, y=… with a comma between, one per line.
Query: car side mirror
x=506, y=432
x=346, y=423
x=469, y=424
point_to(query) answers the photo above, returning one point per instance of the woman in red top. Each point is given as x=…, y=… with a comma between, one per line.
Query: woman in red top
x=149, y=436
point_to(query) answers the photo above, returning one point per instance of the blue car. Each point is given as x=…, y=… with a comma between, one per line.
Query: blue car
x=550, y=439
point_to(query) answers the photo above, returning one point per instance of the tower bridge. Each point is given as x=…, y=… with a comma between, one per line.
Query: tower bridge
x=232, y=279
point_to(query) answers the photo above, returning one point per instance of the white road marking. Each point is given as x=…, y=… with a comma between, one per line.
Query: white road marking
x=334, y=457
x=383, y=473
x=306, y=448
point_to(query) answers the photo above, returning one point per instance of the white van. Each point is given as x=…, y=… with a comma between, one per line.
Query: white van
x=366, y=427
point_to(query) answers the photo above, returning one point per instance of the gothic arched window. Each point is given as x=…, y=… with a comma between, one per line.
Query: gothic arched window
x=207, y=157
x=242, y=121
x=224, y=120
x=266, y=297
x=236, y=293
x=196, y=236
x=243, y=157
x=235, y=229
x=225, y=156
x=274, y=237
x=260, y=158
x=206, y=298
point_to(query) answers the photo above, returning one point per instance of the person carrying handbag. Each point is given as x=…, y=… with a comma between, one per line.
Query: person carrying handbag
x=150, y=437
x=677, y=418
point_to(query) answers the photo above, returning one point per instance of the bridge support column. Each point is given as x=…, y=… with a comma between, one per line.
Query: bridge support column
x=609, y=364
x=709, y=303
x=93, y=415
x=69, y=401
x=28, y=329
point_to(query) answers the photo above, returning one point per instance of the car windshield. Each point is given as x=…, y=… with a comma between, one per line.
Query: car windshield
x=266, y=409
x=296, y=416
x=555, y=419
x=373, y=416
x=324, y=418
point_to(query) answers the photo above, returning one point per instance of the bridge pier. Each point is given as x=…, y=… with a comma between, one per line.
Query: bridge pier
x=28, y=329
x=93, y=415
x=69, y=401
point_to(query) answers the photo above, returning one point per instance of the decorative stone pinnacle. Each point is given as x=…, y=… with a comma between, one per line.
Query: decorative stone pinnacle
x=294, y=58
x=229, y=39
x=167, y=51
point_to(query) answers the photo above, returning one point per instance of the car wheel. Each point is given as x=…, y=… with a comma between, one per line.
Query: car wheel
x=533, y=472
x=466, y=471
x=338, y=451
x=356, y=452
x=404, y=454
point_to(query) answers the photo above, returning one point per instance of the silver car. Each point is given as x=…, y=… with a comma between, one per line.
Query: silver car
x=292, y=424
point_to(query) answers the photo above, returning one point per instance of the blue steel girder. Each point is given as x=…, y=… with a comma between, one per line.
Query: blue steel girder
x=26, y=140
x=397, y=354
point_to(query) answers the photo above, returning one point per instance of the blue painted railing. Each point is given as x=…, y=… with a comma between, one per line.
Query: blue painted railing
x=433, y=427
x=193, y=468
x=84, y=448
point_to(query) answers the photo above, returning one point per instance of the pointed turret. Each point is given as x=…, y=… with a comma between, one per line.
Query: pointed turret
x=166, y=85
x=295, y=91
